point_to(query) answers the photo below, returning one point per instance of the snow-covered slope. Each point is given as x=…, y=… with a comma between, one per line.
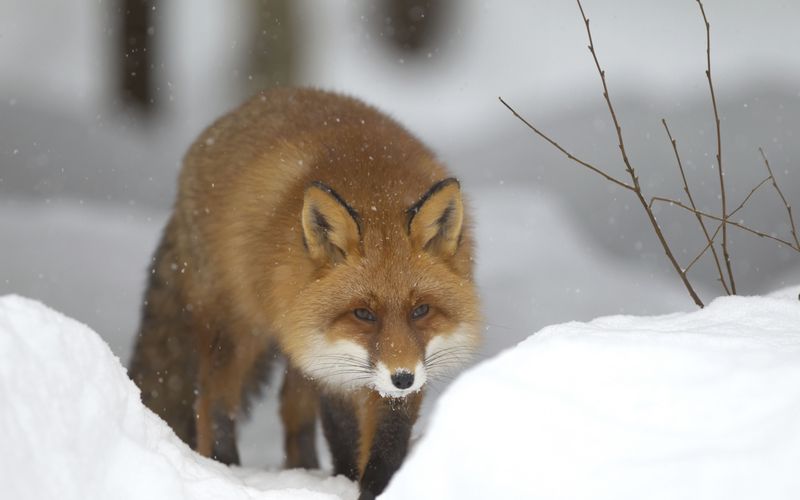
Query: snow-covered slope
x=74, y=427
x=689, y=405
x=704, y=405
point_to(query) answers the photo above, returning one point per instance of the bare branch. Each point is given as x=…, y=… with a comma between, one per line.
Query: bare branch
x=637, y=189
x=726, y=221
x=602, y=73
x=725, y=252
x=567, y=153
x=783, y=198
x=699, y=219
x=716, y=231
x=746, y=198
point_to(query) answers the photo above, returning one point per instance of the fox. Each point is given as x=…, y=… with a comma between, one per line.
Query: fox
x=311, y=227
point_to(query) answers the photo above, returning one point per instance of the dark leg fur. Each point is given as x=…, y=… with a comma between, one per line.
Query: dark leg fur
x=389, y=447
x=341, y=431
x=225, y=449
x=299, y=406
x=229, y=374
x=303, y=444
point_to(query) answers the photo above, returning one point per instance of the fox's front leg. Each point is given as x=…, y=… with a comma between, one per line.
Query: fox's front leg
x=340, y=424
x=385, y=425
x=225, y=367
x=299, y=406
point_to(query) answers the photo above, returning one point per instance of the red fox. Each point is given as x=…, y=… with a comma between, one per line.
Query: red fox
x=309, y=224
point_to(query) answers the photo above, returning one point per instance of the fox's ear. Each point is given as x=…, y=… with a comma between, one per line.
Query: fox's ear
x=434, y=222
x=330, y=226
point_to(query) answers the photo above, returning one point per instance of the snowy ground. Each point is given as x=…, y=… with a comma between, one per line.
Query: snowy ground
x=698, y=405
x=79, y=430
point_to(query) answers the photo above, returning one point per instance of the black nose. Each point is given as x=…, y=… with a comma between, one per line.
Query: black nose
x=403, y=379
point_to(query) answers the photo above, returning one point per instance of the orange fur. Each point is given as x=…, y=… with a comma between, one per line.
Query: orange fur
x=293, y=211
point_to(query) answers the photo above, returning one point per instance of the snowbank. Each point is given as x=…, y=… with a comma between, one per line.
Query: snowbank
x=74, y=427
x=689, y=405
x=698, y=405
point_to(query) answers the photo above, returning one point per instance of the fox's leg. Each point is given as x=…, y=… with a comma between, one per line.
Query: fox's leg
x=299, y=404
x=207, y=407
x=386, y=425
x=340, y=424
x=225, y=369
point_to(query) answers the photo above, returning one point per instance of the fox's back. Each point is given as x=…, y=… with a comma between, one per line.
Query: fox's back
x=242, y=186
x=287, y=136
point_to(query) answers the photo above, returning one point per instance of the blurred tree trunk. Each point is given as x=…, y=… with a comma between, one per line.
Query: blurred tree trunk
x=413, y=25
x=135, y=57
x=273, y=52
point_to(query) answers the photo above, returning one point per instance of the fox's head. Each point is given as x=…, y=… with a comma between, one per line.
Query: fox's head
x=391, y=303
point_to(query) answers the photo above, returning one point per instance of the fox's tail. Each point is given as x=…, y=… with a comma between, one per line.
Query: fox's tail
x=164, y=362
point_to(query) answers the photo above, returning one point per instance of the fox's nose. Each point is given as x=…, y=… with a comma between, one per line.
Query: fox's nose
x=403, y=379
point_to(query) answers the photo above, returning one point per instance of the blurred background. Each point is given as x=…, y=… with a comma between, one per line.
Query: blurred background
x=99, y=99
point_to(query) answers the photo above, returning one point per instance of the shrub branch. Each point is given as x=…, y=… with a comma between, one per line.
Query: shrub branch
x=567, y=153
x=716, y=231
x=635, y=186
x=726, y=221
x=725, y=252
x=783, y=199
x=729, y=284
x=699, y=218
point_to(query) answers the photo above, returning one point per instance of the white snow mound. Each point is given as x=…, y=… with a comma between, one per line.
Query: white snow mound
x=701, y=405
x=74, y=427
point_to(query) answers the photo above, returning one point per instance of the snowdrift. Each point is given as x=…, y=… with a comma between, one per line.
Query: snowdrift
x=691, y=405
x=74, y=427
x=704, y=405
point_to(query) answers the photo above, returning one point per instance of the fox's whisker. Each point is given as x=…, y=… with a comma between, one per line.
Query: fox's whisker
x=460, y=350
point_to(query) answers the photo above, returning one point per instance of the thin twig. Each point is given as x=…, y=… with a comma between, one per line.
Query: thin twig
x=716, y=231
x=783, y=198
x=691, y=201
x=567, y=153
x=617, y=127
x=634, y=178
x=746, y=198
x=725, y=252
x=726, y=221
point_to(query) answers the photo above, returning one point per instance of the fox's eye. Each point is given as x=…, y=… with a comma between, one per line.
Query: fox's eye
x=364, y=314
x=419, y=311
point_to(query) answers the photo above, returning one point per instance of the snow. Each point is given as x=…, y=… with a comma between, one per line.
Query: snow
x=688, y=405
x=76, y=428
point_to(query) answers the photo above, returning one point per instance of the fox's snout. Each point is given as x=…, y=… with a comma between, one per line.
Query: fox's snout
x=399, y=382
x=344, y=364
